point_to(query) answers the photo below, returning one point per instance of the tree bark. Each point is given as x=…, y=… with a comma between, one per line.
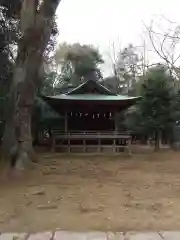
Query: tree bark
x=36, y=24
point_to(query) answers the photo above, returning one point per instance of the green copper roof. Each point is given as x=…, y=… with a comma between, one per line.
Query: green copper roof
x=92, y=97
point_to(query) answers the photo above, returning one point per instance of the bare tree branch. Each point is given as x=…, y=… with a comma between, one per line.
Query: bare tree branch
x=163, y=39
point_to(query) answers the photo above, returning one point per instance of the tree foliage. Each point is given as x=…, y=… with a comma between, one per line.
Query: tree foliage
x=8, y=38
x=156, y=112
x=10, y=34
x=128, y=67
x=78, y=62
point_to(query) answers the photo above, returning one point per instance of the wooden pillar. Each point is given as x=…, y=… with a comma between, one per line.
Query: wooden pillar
x=84, y=145
x=114, y=145
x=66, y=130
x=66, y=122
x=99, y=143
x=116, y=128
x=53, y=144
x=129, y=146
x=116, y=121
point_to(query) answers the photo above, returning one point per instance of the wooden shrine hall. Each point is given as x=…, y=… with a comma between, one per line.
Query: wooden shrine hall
x=90, y=119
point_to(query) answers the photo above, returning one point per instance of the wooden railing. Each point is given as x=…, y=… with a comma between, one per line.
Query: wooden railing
x=90, y=134
x=118, y=139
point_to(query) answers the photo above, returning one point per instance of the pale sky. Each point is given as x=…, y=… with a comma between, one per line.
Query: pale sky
x=102, y=22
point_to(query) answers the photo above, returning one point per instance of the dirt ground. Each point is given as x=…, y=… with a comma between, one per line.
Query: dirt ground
x=94, y=193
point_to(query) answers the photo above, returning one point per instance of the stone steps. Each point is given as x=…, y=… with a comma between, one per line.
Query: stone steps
x=67, y=235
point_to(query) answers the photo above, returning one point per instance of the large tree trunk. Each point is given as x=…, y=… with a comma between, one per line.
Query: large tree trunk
x=36, y=24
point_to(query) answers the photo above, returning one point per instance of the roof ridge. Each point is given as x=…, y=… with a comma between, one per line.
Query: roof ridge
x=96, y=82
x=82, y=84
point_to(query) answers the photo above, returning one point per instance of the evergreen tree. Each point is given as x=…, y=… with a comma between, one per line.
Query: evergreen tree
x=156, y=111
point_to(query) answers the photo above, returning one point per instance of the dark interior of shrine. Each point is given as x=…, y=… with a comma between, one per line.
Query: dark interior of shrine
x=90, y=121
